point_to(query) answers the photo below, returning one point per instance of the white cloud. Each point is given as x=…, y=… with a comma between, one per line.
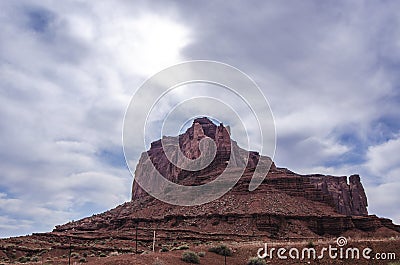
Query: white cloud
x=384, y=199
x=383, y=170
x=67, y=75
x=383, y=159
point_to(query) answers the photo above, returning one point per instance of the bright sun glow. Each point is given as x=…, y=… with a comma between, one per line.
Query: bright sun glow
x=146, y=44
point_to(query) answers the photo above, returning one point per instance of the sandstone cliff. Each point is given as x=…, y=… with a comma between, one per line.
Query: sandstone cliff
x=285, y=205
x=347, y=196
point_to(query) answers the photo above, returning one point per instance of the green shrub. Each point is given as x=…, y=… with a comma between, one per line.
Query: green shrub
x=24, y=259
x=256, y=261
x=310, y=244
x=182, y=247
x=164, y=249
x=222, y=250
x=190, y=257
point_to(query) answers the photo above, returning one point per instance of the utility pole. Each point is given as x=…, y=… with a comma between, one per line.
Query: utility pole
x=70, y=249
x=136, y=228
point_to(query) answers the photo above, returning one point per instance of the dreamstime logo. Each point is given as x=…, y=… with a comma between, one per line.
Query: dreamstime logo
x=340, y=251
x=341, y=241
x=234, y=98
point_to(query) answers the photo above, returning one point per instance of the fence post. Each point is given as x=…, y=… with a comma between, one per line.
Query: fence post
x=136, y=228
x=69, y=255
x=154, y=240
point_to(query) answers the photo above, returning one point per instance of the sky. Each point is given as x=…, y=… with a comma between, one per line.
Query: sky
x=68, y=69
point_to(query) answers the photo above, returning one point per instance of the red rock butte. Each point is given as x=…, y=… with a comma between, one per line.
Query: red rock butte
x=285, y=206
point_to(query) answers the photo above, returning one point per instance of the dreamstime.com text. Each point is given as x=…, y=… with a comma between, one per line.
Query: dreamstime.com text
x=340, y=251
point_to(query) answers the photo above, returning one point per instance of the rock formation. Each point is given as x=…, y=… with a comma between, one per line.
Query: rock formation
x=347, y=197
x=285, y=205
x=189, y=144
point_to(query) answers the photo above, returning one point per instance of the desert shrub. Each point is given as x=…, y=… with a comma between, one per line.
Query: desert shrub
x=82, y=260
x=164, y=249
x=256, y=261
x=221, y=250
x=201, y=254
x=190, y=257
x=182, y=247
x=310, y=244
x=24, y=259
x=102, y=255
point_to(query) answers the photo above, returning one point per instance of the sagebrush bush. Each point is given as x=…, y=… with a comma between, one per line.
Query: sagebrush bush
x=24, y=259
x=310, y=244
x=182, y=247
x=164, y=249
x=222, y=250
x=256, y=261
x=190, y=257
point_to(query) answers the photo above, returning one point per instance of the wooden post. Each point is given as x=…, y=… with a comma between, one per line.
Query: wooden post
x=70, y=249
x=136, y=240
x=154, y=240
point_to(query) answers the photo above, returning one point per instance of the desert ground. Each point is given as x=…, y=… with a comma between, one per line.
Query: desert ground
x=110, y=252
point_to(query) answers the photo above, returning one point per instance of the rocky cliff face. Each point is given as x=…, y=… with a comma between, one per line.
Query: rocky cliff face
x=189, y=144
x=347, y=196
x=285, y=205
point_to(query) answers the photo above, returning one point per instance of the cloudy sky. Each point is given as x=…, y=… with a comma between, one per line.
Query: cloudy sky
x=330, y=70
